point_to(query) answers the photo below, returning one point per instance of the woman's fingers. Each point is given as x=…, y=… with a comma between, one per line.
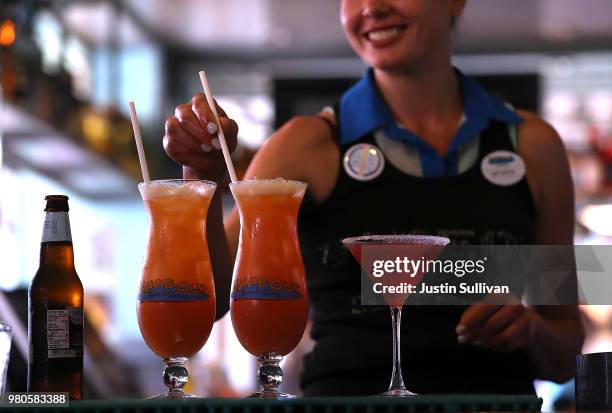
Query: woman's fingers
x=191, y=136
x=199, y=106
x=190, y=123
x=474, y=315
x=504, y=328
x=495, y=324
x=515, y=336
x=177, y=142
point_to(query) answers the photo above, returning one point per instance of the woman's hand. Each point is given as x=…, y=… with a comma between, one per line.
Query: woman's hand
x=498, y=327
x=191, y=138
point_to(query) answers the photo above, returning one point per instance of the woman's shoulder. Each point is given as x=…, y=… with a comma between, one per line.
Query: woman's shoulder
x=303, y=149
x=544, y=154
x=536, y=132
x=538, y=140
x=303, y=133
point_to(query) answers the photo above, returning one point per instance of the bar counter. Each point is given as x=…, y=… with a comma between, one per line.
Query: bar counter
x=425, y=403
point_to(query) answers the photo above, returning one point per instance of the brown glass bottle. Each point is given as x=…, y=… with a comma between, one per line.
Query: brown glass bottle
x=55, y=320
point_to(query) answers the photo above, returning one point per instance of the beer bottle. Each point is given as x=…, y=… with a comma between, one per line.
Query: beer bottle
x=55, y=303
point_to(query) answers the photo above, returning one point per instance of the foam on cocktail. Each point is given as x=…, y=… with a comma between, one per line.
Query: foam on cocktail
x=277, y=186
x=173, y=188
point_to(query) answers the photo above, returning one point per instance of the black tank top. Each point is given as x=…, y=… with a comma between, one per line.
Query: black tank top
x=353, y=351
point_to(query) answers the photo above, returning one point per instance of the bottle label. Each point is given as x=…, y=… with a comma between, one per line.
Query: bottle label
x=56, y=227
x=65, y=333
x=168, y=289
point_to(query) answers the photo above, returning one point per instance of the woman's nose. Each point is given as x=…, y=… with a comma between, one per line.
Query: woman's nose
x=375, y=8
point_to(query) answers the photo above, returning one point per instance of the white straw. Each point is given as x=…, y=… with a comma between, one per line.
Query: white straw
x=138, y=138
x=213, y=108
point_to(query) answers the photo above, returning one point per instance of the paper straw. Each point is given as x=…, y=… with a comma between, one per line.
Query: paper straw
x=138, y=138
x=213, y=108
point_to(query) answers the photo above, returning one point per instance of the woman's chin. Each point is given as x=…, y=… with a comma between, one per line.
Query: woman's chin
x=391, y=64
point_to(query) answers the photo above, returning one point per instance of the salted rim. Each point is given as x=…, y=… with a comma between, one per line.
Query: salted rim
x=175, y=182
x=277, y=186
x=408, y=239
x=269, y=181
x=165, y=188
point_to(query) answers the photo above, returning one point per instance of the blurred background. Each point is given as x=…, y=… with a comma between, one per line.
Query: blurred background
x=69, y=67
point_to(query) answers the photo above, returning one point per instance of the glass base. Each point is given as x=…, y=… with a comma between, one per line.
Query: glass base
x=175, y=377
x=271, y=395
x=172, y=395
x=401, y=392
x=269, y=377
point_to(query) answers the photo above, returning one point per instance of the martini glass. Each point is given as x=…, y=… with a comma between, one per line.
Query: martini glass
x=414, y=247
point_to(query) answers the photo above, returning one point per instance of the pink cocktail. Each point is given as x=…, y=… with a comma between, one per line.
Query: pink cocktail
x=386, y=247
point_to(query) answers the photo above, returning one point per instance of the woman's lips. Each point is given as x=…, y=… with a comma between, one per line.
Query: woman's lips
x=385, y=35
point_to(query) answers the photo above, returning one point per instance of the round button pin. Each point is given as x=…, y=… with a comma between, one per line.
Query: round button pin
x=364, y=162
x=503, y=168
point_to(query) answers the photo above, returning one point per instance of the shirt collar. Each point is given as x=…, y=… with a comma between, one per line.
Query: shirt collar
x=364, y=110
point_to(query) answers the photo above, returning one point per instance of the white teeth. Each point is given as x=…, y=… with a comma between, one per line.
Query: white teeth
x=383, y=34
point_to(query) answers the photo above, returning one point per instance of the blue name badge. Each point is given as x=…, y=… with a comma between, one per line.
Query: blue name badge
x=503, y=168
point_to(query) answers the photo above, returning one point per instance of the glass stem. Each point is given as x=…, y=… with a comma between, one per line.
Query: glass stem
x=269, y=374
x=175, y=375
x=397, y=381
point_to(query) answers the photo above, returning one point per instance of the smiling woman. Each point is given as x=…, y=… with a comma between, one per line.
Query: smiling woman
x=401, y=153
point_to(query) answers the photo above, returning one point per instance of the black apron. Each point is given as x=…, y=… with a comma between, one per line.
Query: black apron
x=353, y=351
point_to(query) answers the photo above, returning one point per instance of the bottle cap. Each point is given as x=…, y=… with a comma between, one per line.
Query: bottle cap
x=57, y=203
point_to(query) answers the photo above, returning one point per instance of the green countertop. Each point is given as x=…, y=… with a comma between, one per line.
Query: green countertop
x=426, y=403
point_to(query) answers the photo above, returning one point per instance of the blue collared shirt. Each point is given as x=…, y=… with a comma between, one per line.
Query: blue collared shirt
x=363, y=110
